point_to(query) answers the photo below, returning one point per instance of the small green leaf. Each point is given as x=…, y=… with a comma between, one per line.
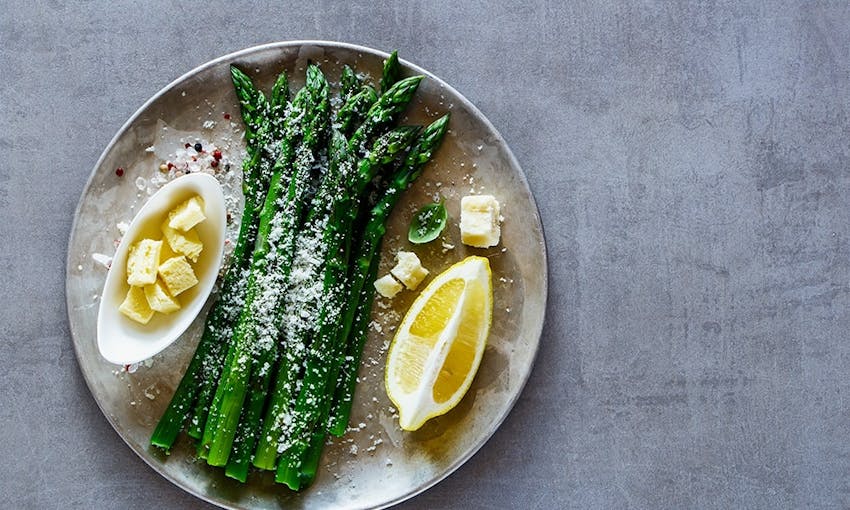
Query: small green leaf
x=427, y=223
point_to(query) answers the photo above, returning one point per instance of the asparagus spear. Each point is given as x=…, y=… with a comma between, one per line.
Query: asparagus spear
x=251, y=423
x=256, y=332
x=326, y=248
x=254, y=108
x=391, y=72
x=353, y=112
x=358, y=311
x=290, y=129
x=320, y=379
x=382, y=113
x=203, y=366
x=348, y=82
x=254, y=186
x=251, y=419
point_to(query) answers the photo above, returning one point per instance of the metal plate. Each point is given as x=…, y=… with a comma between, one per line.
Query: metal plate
x=375, y=464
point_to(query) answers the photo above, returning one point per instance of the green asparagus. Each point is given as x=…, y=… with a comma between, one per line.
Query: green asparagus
x=327, y=250
x=358, y=311
x=391, y=72
x=266, y=381
x=202, y=368
x=256, y=332
x=348, y=82
x=320, y=379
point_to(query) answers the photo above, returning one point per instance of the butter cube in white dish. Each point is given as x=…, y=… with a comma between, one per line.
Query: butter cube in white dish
x=159, y=299
x=187, y=215
x=135, y=306
x=387, y=286
x=184, y=243
x=177, y=274
x=142, y=262
x=408, y=270
x=479, y=221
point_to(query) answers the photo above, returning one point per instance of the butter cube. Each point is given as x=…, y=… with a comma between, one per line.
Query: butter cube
x=387, y=286
x=142, y=262
x=135, y=306
x=187, y=215
x=184, y=243
x=159, y=299
x=177, y=274
x=479, y=221
x=408, y=270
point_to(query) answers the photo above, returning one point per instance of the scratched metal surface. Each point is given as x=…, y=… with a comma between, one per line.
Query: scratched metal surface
x=691, y=166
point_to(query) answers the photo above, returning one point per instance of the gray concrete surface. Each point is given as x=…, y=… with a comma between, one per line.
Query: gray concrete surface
x=692, y=167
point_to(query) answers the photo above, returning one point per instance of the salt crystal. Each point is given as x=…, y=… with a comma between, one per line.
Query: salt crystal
x=104, y=260
x=149, y=392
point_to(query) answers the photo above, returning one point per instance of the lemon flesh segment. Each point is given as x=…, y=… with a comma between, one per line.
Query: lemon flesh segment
x=439, y=344
x=463, y=352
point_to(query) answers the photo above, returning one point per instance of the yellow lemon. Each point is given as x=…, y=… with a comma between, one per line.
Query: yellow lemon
x=439, y=344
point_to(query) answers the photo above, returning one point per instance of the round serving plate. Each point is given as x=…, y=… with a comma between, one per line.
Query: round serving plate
x=375, y=464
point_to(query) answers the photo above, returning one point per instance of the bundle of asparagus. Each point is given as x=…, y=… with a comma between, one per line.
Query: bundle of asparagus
x=275, y=369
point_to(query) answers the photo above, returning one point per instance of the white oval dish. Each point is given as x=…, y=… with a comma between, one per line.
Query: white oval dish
x=123, y=341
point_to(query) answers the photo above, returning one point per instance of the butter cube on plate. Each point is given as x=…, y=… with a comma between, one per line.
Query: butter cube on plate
x=187, y=215
x=159, y=299
x=142, y=262
x=408, y=270
x=387, y=286
x=479, y=221
x=177, y=274
x=185, y=243
x=135, y=306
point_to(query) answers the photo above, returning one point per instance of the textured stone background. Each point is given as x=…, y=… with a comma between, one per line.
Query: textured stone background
x=691, y=167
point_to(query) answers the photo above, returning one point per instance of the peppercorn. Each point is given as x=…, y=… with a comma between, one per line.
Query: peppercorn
x=119, y=171
x=217, y=154
x=214, y=163
x=199, y=147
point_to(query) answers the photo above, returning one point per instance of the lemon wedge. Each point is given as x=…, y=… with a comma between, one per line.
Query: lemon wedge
x=439, y=344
